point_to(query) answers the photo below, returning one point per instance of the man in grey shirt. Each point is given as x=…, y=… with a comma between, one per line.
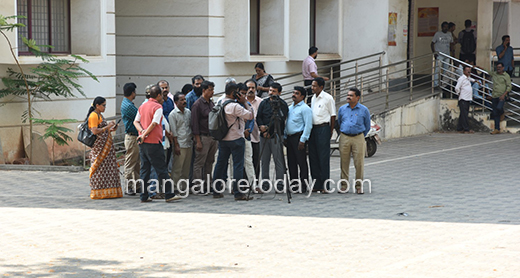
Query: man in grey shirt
x=441, y=42
x=180, y=127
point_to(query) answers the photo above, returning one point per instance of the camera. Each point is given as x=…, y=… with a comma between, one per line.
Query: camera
x=276, y=101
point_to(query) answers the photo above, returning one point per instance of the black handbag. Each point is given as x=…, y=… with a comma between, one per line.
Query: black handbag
x=85, y=135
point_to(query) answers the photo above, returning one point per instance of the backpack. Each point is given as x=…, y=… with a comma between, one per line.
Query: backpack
x=468, y=44
x=217, y=123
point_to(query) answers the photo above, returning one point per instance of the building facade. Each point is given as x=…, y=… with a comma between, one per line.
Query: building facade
x=146, y=41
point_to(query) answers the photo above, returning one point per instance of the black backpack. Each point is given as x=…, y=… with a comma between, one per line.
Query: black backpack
x=217, y=123
x=468, y=44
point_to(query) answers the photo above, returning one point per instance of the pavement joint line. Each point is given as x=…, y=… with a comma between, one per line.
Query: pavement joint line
x=47, y=196
x=439, y=151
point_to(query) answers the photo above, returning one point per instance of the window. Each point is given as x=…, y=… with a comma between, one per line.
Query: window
x=254, y=27
x=47, y=22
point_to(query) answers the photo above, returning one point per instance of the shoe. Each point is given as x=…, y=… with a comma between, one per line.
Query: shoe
x=218, y=196
x=158, y=196
x=130, y=193
x=173, y=199
x=147, y=200
x=243, y=198
x=258, y=190
x=469, y=132
x=460, y=131
x=496, y=131
x=358, y=191
x=343, y=190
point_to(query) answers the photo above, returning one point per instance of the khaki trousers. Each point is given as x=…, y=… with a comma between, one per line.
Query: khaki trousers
x=355, y=146
x=132, y=162
x=203, y=162
x=181, y=167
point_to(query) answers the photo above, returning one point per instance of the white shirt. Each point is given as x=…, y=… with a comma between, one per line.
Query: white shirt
x=323, y=107
x=180, y=126
x=464, y=88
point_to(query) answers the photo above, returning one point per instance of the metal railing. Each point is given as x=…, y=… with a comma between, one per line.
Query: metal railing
x=334, y=71
x=118, y=141
x=482, y=92
x=383, y=87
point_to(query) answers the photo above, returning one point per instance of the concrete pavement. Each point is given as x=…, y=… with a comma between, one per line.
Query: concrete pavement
x=460, y=192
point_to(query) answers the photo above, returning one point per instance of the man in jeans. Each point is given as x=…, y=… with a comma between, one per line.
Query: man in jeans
x=128, y=113
x=237, y=112
x=501, y=86
x=441, y=42
x=148, y=124
x=205, y=145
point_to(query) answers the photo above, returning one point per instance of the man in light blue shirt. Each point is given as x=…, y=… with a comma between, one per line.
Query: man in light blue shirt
x=354, y=124
x=297, y=132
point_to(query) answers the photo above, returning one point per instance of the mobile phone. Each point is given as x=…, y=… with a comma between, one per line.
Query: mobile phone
x=118, y=121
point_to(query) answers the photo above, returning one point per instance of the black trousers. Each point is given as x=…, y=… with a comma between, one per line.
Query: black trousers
x=256, y=158
x=309, y=90
x=463, y=117
x=297, y=159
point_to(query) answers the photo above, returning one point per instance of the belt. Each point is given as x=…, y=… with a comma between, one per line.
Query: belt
x=131, y=134
x=296, y=134
x=352, y=135
x=323, y=124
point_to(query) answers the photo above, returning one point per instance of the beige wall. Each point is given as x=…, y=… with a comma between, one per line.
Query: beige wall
x=102, y=64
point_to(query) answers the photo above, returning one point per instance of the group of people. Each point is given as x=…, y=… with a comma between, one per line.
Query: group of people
x=168, y=136
x=468, y=88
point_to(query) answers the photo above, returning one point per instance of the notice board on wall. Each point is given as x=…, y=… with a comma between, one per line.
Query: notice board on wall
x=428, y=21
x=392, y=29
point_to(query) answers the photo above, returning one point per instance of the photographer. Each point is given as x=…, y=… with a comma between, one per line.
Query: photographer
x=237, y=112
x=271, y=140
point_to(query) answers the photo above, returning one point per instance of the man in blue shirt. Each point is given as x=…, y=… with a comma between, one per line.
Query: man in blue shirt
x=128, y=112
x=168, y=104
x=505, y=55
x=297, y=132
x=194, y=94
x=354, y=124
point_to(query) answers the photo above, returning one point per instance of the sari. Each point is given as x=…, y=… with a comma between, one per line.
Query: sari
x=104, y=176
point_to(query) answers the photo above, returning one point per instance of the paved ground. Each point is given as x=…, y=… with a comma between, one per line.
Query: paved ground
x=460, y=192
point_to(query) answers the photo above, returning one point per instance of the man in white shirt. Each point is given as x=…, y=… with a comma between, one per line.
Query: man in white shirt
x=465, y=92
x=323, y=118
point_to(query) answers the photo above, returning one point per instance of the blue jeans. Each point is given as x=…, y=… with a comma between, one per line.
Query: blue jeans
x=443, y=62
x=319, y=155
x=235, y=148
x=152, y=155
x=477, y=98
x=498, y=110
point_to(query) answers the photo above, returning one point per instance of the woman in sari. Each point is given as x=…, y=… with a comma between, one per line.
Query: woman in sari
x=263, y=80
x=104, y=175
